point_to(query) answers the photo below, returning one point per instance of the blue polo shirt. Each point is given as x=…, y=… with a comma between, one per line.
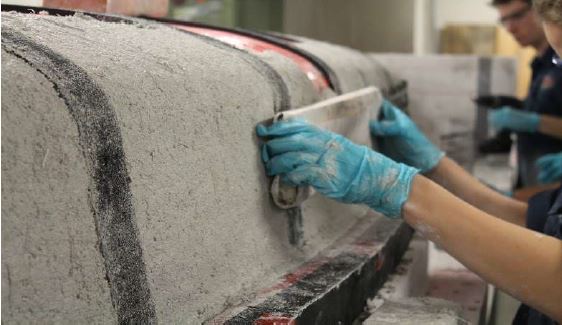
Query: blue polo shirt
x=545, y=97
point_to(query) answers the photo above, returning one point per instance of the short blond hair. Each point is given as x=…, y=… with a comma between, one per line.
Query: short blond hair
x=549, y=10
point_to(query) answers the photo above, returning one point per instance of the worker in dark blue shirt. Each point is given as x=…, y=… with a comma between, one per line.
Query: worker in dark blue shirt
x=545, y=93
x=545, y=99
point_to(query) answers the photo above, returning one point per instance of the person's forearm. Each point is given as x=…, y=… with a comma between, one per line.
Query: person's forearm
x=551, y=125
x=458, y=181
x=526, y=264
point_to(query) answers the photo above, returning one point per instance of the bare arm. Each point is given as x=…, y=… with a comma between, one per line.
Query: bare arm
x=524, y=263
x=459, y=182
x=551, y=125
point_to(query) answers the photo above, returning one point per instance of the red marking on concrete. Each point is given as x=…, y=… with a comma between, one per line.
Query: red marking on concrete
x=380, y=261
x=253, y=45
x=294, y=277
x=272, y=319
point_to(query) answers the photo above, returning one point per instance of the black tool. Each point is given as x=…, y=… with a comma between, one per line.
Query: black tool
x=495, y=102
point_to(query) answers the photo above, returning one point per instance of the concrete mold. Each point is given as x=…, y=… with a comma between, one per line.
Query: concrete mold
x=132, y=185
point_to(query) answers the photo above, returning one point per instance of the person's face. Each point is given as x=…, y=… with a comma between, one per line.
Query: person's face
x=521, y=21
x=554, y=36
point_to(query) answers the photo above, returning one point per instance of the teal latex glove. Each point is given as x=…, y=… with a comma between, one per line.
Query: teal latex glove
x=515, y=120
x=401, y=140
x=303, y=154
x=550, y=168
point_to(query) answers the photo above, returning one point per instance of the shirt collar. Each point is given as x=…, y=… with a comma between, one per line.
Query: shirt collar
x=544, y=60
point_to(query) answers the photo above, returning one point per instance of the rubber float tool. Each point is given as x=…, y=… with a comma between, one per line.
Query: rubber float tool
x=348, y=115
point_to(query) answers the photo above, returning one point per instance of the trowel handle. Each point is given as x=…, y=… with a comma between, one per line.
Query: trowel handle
x=286, y=196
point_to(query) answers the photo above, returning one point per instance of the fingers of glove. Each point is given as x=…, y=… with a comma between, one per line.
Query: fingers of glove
x=392, y=122
x=549, y=176
x=386, y=109
x=494, y=115
x=543, y=161
x=384, y=128
x=496, y=119
x=557, y=175
x=289, y=161
x=389, y=111
x=285, y=127
x=264, y=154
x=506, y=109
x=299, y=142
x=543, y=177
x=549, y=168
x=304, y=175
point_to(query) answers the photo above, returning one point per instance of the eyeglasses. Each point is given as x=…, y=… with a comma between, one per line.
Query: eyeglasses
x=516, y=16
x=557, y=61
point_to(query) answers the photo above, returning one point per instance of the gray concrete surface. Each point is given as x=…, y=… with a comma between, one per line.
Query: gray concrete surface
x=132, y=185
x=52, y=271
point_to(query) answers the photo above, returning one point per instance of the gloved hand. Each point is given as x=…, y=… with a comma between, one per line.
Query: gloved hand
x=402, y=141
x=303, y=154
x=550, y=168
x=515, y=120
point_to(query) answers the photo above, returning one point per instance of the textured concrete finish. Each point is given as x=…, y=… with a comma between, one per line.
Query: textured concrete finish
x=300, y=90
x=333, y=287
x=132, y=185
x=51, y=266
x=441, y=89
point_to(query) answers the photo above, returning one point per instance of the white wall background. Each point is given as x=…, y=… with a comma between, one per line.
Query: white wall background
x=33, y=3
x=367, y=25
x=430, y=16
x=463, y=11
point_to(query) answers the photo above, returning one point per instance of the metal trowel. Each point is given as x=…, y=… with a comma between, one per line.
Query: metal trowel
x=348, y=115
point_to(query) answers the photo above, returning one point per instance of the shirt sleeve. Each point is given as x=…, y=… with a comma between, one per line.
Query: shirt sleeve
x=549, y=94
